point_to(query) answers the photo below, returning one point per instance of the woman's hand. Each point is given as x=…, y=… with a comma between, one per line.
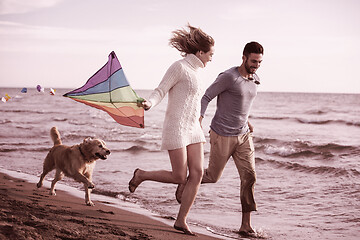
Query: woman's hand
x=251, y=127
x=146, y=105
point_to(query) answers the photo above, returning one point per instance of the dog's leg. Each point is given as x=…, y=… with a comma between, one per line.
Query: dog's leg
x=58, y=176
x=81, y=178
x=40, y=183
x=88, y=175
x=88, y=185
x=87, y=196
x=47, y=167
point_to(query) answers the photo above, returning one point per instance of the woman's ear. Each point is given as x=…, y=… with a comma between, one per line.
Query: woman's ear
x=199, y=53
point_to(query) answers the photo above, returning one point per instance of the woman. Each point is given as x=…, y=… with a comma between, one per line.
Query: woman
x=182, y=134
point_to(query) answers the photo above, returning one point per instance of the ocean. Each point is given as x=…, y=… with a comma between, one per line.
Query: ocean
x=307, y=160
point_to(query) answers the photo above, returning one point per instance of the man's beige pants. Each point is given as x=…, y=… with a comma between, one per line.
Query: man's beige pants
x=241, y=148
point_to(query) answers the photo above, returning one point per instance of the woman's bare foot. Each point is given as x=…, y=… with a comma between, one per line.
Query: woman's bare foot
x=135, y=181
x=179, y=192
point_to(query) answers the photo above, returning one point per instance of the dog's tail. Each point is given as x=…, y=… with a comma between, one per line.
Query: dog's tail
x=55, y=136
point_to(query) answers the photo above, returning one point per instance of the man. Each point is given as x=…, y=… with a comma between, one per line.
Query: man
x=230, y=133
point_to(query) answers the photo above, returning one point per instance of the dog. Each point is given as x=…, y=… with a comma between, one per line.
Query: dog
x=77, y=162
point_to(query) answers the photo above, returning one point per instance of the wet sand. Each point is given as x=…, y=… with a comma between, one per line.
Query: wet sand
x=30, y=213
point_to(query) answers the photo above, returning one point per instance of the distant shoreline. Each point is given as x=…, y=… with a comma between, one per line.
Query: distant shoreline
x=280, y=92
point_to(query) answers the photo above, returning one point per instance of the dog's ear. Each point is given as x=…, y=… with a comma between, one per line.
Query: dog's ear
x=87, y=140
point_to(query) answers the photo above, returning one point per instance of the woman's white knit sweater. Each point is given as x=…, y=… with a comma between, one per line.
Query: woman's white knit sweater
x=181, y=125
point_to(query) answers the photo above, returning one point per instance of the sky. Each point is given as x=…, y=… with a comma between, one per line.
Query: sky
x=309, y=45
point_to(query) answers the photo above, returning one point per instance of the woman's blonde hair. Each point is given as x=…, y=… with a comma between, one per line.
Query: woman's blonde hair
x=191, y=41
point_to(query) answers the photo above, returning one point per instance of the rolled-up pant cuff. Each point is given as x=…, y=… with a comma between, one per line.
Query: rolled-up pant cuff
x=249, y=209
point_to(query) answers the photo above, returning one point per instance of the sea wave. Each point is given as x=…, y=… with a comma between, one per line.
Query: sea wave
x=310, y=121
x=23, y=149
x=317, y=112
x=24, y=127
x=5, y=121
x=269, y=118
x=300, y=149
x=322, y=170
x=104, y=192
x=84, y=122
x=320, y=122
x=136, y=149
x=27, y=111
x=60, y=119
x=77, y=136
x=293, y=153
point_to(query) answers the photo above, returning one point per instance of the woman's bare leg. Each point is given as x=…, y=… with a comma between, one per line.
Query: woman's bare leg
x=192, y=157
x=195, y=157
x=178, y=159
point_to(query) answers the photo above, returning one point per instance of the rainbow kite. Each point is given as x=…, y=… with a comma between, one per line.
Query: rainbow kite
x=109, y=90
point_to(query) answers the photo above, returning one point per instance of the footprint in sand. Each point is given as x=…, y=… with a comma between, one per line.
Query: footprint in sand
x=38, y=194
x=106, y=212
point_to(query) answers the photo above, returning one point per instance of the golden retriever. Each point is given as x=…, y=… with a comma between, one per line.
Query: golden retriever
x=76, y=161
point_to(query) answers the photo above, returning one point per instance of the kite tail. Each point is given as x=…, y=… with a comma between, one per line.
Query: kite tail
x=55, y=136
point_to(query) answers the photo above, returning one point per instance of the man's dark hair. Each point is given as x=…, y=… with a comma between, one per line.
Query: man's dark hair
x=253, y=47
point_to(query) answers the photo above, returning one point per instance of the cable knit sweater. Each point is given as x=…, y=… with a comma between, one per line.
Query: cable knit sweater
x=181, y=124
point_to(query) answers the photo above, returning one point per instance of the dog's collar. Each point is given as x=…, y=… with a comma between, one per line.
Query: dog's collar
x=83, y=154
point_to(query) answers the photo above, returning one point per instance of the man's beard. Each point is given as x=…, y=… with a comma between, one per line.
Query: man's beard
x=248, y=69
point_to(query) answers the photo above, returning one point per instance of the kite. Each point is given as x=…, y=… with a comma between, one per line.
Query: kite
x=109, y=90
x=52, y=91
x=40, y=88
x=6, y=98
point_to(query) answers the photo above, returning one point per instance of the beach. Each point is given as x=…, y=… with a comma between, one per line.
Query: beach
x=306, y=152
x=31, y=213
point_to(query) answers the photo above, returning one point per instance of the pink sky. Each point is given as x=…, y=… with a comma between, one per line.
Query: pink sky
x=310, y=45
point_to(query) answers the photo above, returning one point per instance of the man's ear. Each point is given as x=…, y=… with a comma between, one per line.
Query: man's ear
x=244, y=58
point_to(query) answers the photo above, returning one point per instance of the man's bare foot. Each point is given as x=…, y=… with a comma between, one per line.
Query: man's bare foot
x=185, y=229
x=247, y=233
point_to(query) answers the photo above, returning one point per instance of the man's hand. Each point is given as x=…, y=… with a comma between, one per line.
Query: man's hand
x=200, y=120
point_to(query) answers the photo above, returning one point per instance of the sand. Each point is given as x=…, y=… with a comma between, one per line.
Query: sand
x=31, y=213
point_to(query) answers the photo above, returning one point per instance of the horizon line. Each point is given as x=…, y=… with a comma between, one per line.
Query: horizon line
x=2, y=87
